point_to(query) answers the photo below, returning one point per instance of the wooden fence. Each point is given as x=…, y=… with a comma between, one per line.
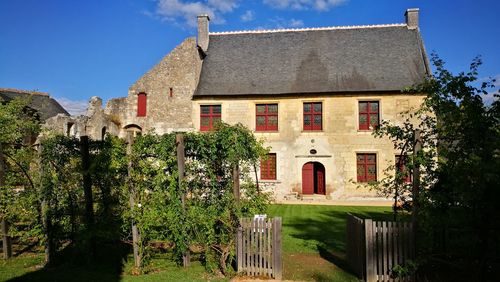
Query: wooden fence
x=374, y=248
x=259, y=247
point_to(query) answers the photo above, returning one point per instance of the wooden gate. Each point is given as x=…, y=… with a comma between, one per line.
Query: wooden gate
x=374, y=248
x=258, y=247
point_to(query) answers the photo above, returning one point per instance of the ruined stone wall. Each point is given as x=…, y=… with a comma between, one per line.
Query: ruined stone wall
x=336, y=145
x=167, y=110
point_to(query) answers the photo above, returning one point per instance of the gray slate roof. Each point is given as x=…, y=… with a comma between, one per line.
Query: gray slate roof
x=40, y=101
x=383, y=58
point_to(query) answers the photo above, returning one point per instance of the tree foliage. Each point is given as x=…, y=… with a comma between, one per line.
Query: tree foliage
x=18, y=125
x=460, y=164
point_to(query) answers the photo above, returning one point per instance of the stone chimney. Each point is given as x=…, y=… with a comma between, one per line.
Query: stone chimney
x=203, y=20
x=412, y=18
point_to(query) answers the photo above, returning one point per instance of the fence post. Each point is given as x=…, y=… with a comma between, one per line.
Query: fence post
x=277, y=262
x=135, y=231
x=179, y=138
x=239, y=246
x=371, y=274
x=6, y=240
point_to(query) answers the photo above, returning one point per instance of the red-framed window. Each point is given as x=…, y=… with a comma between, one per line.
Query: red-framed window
x=401, y=168
x=368, y=115
x=313, y=116
x=266, y=117
x=209, y=116
x=367, y=167
x=141, y=104
x=268, y=167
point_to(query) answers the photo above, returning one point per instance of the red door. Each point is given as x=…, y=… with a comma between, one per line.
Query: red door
x=320, y=179
x=308, y=179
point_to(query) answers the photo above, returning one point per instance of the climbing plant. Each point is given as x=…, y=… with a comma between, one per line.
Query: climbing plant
x=209, y=217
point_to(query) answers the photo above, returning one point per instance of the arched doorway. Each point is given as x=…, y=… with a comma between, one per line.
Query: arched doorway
x=313, y=178
x=134, y=129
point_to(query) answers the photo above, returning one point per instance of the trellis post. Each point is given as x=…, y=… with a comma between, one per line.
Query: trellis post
x=87, y=191
x=179, y=139
x=417, y=147
x=6, y=240
x=135, y=231
x=236, y=183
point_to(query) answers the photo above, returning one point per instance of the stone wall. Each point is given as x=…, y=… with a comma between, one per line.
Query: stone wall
x=169, y=87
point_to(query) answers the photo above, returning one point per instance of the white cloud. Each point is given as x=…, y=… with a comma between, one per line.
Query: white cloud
x=185, y=12
x=279, y=22
x=74, y=107
x=320, y=5
x=223, y=6
x=248, y=16
x=296, y=23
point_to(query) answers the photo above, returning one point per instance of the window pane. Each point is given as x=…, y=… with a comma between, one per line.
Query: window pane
x=261, y=120
x=272, y=120
x=374, y=107
x=273, y=108
x=216, y=109
x=317, y=107
x=363, y=107
x=317, y=119
x=370, y=158
x=307, y=120
x=215, y=120
x=363, y=119
x=360, y=158
x=205, y=109
x=373, y=119
x=205, y=121
x=261, y=109
x=372, y=170
x=361, y=170
x=307, y=107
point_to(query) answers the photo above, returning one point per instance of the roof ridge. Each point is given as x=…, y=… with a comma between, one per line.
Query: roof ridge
x=20, y=91
x=307, y=29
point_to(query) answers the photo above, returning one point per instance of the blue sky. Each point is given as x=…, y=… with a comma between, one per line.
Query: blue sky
x=78, y=49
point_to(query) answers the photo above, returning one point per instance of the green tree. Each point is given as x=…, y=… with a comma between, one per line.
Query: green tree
x=460, y=164
x=19, y=125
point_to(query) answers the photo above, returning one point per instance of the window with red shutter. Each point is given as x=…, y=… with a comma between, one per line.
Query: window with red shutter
x=366, y=167
x=209, y=116
x=268, y=167
x=313, y=116
x=401, y=168
x=141, y=104
x=368, y=115
x=266, y=117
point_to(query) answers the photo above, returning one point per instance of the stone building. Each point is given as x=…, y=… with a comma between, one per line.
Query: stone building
x=312, y=94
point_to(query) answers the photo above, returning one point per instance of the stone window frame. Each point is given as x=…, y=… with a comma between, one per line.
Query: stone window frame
x=312, y=114
x=268, y=167
x=365, y=163
x=367, y=126
x=266, y=127
x=142, y=104
x=211, y=115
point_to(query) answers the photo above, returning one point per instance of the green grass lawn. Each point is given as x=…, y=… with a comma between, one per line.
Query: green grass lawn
x=313, y=250
x=28, y=267
x=314, y=239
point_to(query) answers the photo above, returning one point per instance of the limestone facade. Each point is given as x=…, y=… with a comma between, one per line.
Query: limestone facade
x=336, y=145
